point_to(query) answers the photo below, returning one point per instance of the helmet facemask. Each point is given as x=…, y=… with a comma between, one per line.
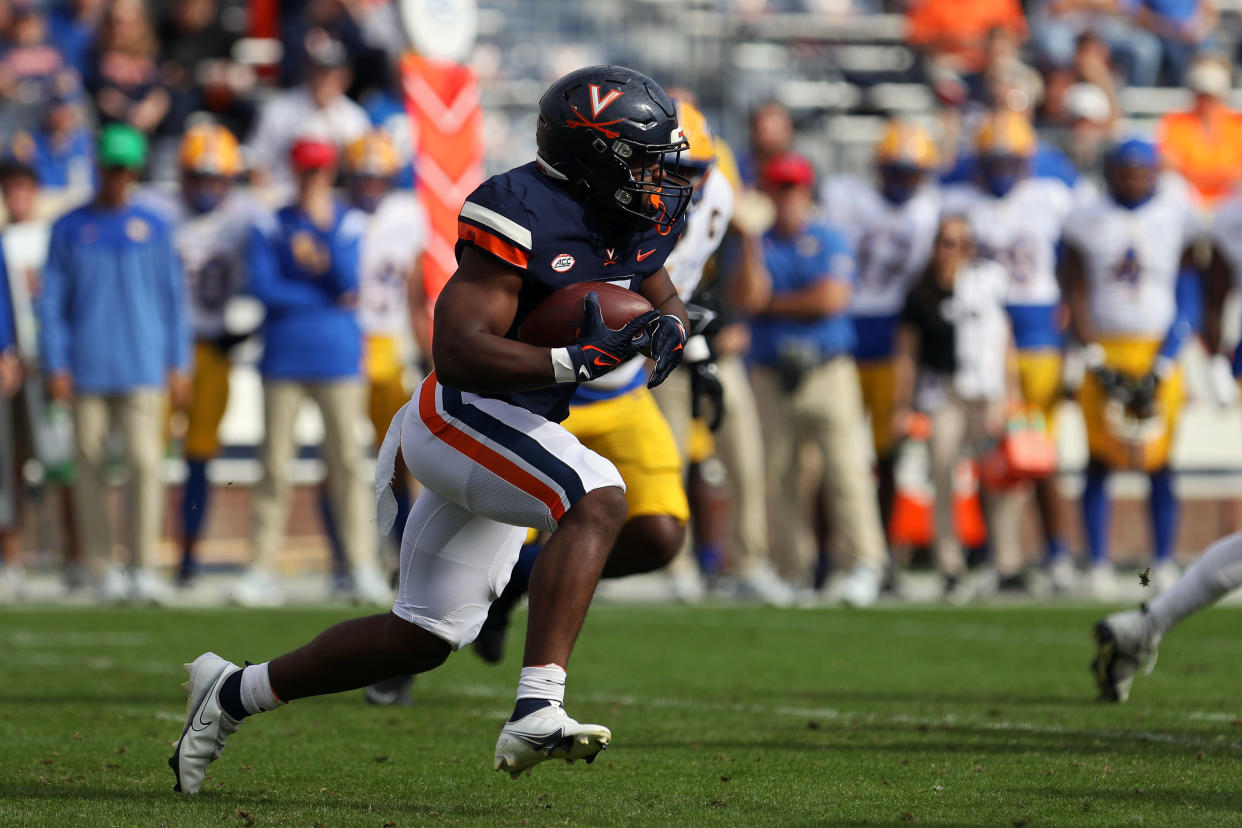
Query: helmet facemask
x=654, y=191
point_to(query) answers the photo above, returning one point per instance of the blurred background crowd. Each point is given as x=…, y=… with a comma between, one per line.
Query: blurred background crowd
x=175, y=174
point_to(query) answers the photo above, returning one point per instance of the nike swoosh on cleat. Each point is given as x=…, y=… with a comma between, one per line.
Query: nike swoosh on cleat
x=546, y=742
x=199, y=717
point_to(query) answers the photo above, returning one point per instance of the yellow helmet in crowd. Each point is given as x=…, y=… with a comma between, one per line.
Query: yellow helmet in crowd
x=1006, y=132
x=702, y=152
x=904, y=156
x=373, y=154
x=906, y=144
x=210, y=149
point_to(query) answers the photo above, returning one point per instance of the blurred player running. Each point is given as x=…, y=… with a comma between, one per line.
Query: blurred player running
x=1017, y=220
x=1127, y=641
x=1133, y=301
x=892, y=225
x=211, y=222
x=483, y=436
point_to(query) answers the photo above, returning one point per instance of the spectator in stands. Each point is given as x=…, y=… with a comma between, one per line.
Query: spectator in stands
x=303, y=266
x=771, y=134
x=1058, y=26
x=114, y=337
x=1183, y=27
x=954, y=34
x=74, y=25
x=305, y=21
x=59, y=147
x=1204, y=144
x=1005, y=81
x=29, y=66
x=317, y=106
x=805, y=379
x=124, y=75
x=956, y=364
x=192, y=41
x=1090, y=115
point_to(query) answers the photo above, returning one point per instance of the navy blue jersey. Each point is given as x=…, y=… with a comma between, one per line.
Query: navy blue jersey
x=530, y=220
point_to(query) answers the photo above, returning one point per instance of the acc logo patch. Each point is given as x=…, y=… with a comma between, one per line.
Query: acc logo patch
x=563, y=263
x=137, y=230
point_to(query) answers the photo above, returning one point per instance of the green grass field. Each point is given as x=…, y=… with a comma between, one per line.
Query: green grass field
x=738, y=716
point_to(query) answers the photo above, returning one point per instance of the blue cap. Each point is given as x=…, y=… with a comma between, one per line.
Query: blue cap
x=1134, y=152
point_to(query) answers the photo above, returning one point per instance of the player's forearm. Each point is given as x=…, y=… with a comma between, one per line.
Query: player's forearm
x=486, y=363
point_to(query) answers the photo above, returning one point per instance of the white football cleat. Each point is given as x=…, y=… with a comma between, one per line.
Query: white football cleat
x=861, y=587
x=1102, y=582
x=1164, y=575
x=686, y=586
x=1063, y=575
x=149, y=588
x=761, y=582
x=1125, y=644
x=370, y=587
x=548, y=733
x=113, y=587
x=257, y=588
x=206, y=723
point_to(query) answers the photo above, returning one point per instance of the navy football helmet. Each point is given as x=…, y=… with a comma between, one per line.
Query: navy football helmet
x=612, y=135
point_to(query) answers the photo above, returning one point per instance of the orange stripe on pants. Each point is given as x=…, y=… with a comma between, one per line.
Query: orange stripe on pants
x=483, y=454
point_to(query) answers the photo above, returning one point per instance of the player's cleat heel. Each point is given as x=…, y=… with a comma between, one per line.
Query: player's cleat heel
x=548, y=733
x=1123, y=646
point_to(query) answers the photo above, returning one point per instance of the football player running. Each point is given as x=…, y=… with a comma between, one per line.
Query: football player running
x=618, y=417
x=1017, y=220
x=483, y=436
x=1127, y=641
x=1133, y=299
x=892, y=225
x=211, y=221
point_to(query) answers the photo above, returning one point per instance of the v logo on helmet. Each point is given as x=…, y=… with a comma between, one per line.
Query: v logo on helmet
x=598, y=104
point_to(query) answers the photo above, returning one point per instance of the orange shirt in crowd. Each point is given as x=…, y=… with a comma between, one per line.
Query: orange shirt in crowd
x=1207, y=151
x=958, y=28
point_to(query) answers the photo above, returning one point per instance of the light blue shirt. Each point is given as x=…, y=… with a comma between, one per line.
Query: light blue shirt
x=816, y=254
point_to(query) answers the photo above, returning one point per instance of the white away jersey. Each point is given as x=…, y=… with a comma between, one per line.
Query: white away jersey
x=706, y=223
x=212, y=247
x=1131, y=260
x=892, y=241
x=1019, y=231
x=395, y=236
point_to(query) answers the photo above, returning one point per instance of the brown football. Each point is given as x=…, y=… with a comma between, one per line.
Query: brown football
x=555, y=322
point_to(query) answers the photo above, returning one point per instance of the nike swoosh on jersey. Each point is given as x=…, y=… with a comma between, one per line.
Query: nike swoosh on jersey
x=642, y=255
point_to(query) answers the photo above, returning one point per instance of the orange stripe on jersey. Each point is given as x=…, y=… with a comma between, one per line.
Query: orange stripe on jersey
x=481, y=453
x=493, y=244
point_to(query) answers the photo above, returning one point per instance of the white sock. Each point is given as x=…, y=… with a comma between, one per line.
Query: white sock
x=544, y=682
x=257, y=695
x=1217, y=572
